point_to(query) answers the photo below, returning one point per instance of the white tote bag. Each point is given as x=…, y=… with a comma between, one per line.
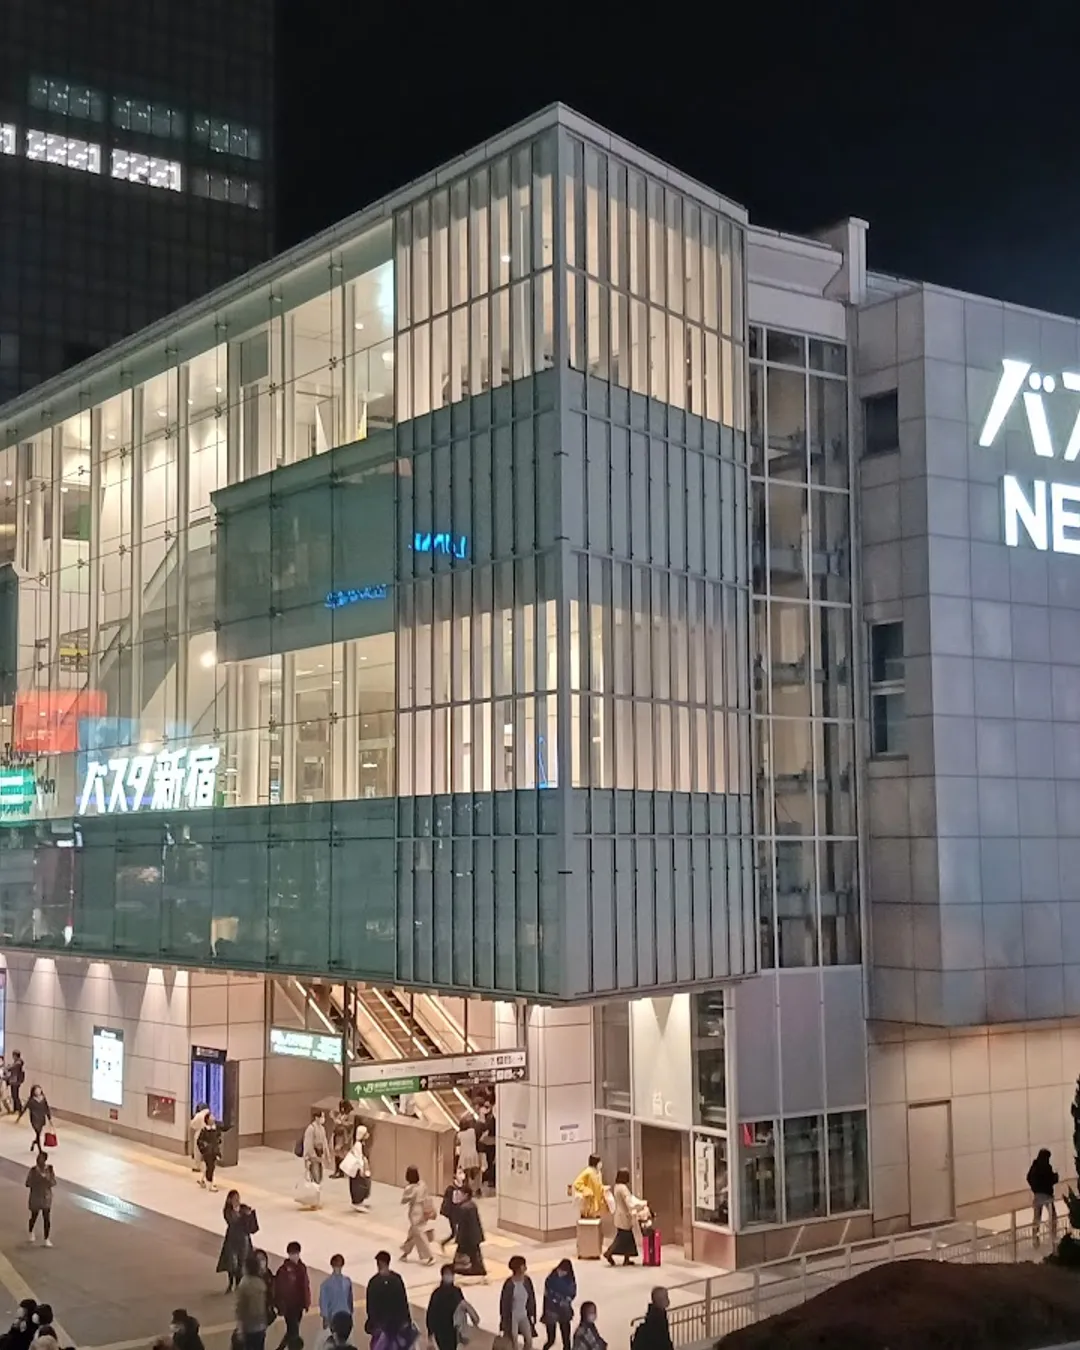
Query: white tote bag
x=308, y=1195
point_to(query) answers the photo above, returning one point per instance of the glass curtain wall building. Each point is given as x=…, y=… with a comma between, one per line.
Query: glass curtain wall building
x=418, y=556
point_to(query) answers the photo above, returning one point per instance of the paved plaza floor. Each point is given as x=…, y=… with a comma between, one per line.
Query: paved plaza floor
x=135, y=1237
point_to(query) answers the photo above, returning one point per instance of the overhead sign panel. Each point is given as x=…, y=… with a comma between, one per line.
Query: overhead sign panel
x=390, y=1077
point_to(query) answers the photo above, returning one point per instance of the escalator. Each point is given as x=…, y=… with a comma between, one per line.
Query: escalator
x=388, y=1025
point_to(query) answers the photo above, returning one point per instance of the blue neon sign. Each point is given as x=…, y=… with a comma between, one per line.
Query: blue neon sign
x=451, y=545
x=338, y=599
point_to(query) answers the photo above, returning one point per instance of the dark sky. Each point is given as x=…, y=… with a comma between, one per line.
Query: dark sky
x=954, y=128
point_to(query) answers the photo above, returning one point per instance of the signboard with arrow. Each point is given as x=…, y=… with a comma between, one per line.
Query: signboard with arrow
x=389, y=1078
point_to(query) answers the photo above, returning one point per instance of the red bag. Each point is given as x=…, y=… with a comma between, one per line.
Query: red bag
x=49, y=1140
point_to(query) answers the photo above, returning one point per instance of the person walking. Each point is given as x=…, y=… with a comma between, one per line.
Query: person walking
x=586, y=1336
x=356, y=1167
x=267, y=1277
x=241, y=1225
x=339, y=1333
x=40, y=1182
x=335, y=1292
x=292, y=1295
x=517, y=1305
x=16, y=1077
x=421, y=1217
x=196, y=1125
x=1041, y=1179
x=487, y=1144
x=448, y=1312
x=469, y=1259
x=654, y=1333
x=626, y=1204
x=209, y=1146
x=316, y=1148
x=451, y=1202
x=343, y=1123
x=253, y=1314
x=386, y=1304
x=5, y=1089
x=560, y=1290
x=37, y=1107
x=185, y=1331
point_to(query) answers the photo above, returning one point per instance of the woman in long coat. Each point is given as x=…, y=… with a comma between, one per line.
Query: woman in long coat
x=241, y=1224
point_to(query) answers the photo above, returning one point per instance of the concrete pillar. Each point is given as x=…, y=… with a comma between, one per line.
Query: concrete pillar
x=545, y=1124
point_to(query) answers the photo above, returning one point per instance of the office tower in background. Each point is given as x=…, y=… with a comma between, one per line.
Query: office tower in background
x=136, y=168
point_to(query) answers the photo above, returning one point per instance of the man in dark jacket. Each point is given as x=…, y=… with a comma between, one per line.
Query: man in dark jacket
x=292, y=1295
x=16, y=1077
x=1042, y=1179
x=387, y=1305
x=654, y=1333
x=517, y=1305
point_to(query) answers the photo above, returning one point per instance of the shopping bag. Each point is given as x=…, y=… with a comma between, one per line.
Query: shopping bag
x=350, y=1164
x=308, y=1195
x=49, y=1139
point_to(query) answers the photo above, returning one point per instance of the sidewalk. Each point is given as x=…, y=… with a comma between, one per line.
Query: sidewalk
x=136, y=1174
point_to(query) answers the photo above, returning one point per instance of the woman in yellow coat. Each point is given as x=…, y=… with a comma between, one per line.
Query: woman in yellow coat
x=588, y=1189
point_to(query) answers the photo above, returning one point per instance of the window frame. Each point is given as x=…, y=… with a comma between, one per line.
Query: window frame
x=881, y=689
x=878, y=447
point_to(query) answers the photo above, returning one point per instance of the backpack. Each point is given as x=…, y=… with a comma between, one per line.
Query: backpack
x=298, y=1147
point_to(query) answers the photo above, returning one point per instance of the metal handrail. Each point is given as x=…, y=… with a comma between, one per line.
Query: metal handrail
x=731, y=1302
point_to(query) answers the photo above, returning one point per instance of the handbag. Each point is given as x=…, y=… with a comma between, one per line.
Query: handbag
x=308, y=1195
x=350, y=1164
x=49, y=1139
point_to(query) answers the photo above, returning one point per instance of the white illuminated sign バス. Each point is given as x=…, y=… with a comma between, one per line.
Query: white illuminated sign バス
x=172, y=780
x=1050, y=515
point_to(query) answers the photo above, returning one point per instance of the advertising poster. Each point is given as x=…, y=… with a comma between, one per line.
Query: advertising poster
x=107, y=1076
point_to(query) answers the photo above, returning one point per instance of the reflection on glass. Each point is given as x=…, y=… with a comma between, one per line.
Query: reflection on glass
x=757, y=1155
x=611, y=1032
x=849, y=1181
x=710, y=1055
x=804, y=1168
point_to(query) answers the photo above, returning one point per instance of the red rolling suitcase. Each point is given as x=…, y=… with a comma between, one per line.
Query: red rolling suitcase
x=650, y=1246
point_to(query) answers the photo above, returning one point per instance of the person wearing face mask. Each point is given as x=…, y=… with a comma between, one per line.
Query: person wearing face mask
x=185, y=1331
x=560, y=1290
x=452, y=1198
x=448, y=1312
x=586, y=1336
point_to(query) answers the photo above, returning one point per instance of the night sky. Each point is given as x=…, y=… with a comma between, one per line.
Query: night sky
x=957, y=138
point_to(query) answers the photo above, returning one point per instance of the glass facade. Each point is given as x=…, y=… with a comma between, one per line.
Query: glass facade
x=807, y=854
x=371, y=552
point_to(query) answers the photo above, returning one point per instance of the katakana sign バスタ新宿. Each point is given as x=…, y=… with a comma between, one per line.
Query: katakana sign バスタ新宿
x=171, y=780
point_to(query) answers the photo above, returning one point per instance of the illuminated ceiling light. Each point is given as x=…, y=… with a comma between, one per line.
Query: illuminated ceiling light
x=217, y=388
x=505, y=258
x=7, y=482
x=207, y=660
x=358, y=324
x=146, y=748
x=163, y=412
x=388, y=358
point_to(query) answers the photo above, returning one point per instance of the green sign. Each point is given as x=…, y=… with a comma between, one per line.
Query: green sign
x=17, y=788
x=384, y=1087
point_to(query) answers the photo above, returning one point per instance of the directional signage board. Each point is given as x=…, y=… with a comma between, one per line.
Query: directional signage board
x=384, y=1087
x=391, y=1077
